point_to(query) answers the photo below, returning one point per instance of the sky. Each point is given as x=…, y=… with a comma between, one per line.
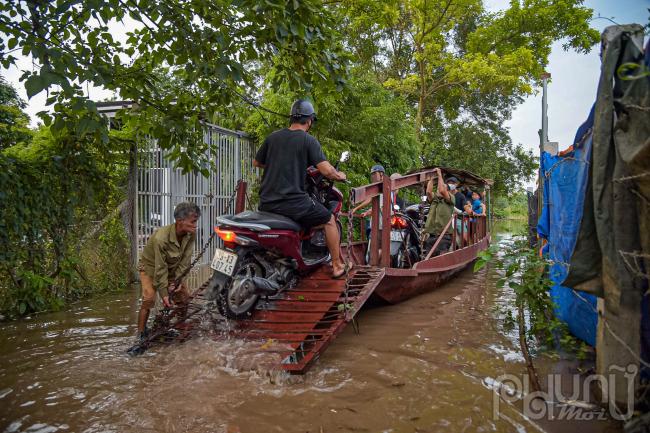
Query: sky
x=571, y=92
x=574, y=79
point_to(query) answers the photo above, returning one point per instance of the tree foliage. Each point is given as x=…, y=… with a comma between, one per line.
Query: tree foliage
x=439, y=52
x=212, y=47
x=14, y=123
x=365, y=118
x=51, y=191
x=457, y=69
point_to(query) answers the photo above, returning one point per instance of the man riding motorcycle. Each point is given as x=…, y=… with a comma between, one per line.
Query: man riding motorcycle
x=285, y=156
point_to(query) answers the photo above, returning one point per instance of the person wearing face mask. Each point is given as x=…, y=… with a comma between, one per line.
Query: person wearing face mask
x=459, y=196
x=440, y=212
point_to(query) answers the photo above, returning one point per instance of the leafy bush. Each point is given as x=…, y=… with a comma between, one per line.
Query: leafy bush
x=51, y=192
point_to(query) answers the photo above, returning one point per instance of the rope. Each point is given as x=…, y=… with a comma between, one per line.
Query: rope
x=636, y=176
x=636, y=269
x=547, y=173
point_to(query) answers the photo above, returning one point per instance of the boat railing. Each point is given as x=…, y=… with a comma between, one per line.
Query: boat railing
x=467, y=229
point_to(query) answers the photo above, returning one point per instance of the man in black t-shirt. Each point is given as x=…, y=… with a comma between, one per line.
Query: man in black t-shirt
x=459, y=197
x=285, y=156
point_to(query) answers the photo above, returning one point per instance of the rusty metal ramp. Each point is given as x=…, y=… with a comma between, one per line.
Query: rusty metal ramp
x=303, y=321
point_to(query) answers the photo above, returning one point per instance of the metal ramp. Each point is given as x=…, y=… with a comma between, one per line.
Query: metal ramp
x=298, y=325
x=306, y=319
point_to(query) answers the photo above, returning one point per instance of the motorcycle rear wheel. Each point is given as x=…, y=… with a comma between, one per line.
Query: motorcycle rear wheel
x=230, y=306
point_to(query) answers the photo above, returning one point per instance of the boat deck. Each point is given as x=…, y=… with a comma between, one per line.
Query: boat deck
x=307, y=318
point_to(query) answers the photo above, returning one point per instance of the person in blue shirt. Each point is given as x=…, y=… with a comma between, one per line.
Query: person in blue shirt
x=478, y=207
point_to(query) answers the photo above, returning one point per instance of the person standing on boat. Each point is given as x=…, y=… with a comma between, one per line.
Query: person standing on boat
x=478, y=208
x=440, y=212
x=377, y=173
x=285, y=156
x=165, y=257
x=460, y=198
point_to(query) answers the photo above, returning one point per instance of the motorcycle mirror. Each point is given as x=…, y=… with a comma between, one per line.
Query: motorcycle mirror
x=345, y=156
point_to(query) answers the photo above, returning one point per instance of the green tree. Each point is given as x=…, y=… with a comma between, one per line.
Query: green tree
x=14, y=122
x=463, y=70
x=212, y=47
x=483, y=149
x=364, y=118
x=441, y=53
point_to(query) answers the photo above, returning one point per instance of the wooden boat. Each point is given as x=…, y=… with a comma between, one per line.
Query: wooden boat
x=427, y=274
x=300, y=323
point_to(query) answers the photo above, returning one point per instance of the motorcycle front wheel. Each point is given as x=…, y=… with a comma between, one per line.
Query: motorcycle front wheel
x=237, y=298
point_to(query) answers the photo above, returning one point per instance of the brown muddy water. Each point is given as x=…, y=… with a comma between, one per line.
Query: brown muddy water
x=426, y=365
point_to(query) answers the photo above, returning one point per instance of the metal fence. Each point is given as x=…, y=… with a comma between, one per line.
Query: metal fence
x=160, y=187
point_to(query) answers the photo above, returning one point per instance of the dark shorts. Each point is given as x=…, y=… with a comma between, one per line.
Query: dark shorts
x=306, y=212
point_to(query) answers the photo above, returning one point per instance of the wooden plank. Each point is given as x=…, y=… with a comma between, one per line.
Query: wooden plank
x=307, y=318
x=328, y=285
x=302, y=328
x=296, y=295
x=313, y=306
x=287, y=316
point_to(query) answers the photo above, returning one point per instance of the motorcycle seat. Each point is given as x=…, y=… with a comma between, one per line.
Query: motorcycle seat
x=260, y=221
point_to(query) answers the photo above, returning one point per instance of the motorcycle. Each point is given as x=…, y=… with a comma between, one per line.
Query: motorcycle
x=404, y=239
x=265, y=254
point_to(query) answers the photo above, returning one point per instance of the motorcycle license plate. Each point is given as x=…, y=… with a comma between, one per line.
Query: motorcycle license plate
x=224, y=262
x=397, y=235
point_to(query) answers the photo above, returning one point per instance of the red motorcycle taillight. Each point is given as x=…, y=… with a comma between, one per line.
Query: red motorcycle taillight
x=397, y=222
x=226, y=235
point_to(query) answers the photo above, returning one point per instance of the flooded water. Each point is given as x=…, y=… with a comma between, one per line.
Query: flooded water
x=426, y=365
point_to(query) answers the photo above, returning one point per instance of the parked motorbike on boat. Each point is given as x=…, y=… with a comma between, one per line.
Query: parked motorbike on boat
x=404, y=239
x=264, y=253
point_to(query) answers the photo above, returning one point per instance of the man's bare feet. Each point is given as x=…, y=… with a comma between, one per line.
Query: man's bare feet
x=340, y=270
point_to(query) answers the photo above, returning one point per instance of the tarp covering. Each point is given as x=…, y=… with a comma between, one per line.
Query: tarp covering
x=612, y=255
x=595, y=213
x=565, y=182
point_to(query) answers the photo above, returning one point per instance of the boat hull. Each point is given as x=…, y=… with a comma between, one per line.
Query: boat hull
x=401, y=284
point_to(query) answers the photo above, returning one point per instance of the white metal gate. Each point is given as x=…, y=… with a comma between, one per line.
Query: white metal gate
x=160, y=187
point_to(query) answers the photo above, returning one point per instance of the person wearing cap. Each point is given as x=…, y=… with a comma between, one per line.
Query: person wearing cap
x=478, y=207
x=459, y=198
x=440, y=212
x=377, y=174
x=285, y=156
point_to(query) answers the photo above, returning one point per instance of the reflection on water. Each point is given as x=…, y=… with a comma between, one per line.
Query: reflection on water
x=425, y=365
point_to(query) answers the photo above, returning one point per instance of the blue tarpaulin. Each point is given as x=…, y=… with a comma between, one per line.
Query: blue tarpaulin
x=565, y=180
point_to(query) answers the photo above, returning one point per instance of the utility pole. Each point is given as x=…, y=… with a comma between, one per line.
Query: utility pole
x=543, y=138
x=544, y=135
